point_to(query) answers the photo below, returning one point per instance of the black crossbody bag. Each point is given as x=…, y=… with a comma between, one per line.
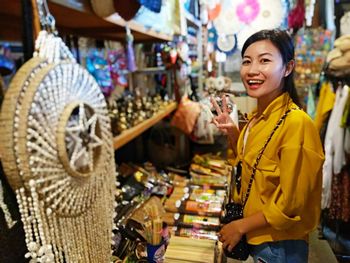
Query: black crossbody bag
x=234, y=211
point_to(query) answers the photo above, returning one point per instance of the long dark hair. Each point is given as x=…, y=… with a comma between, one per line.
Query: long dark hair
x=284, y=43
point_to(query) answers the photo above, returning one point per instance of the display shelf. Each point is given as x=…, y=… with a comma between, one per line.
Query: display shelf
x=136, y=27
x=76, y=17
x=133, y=132
x=191, y=19
x=112, y=27
x=151, y=70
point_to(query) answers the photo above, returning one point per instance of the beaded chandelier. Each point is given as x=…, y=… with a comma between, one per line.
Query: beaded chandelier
x=57, y=151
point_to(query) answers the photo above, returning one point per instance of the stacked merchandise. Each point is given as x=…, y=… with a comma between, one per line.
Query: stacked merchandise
x=129, y=111
x=311, y=49
x=139, y=214
x=191, y=212
x=182, y=249
x=194, y=209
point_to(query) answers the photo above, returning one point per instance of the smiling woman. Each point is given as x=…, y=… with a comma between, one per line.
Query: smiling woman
x=276, y=220
x=263, y=70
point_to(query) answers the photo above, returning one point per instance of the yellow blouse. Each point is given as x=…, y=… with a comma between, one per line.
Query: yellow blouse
x=288, y=182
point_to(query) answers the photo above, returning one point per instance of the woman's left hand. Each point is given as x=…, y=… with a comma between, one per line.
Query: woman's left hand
x=230, y=235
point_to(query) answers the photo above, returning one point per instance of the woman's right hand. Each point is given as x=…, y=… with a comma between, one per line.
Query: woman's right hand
x=223, y=120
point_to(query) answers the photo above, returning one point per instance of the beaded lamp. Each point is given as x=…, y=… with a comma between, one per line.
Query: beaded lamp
x=57, y=152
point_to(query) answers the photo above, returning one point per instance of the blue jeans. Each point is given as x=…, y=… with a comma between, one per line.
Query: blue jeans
x=286, y=251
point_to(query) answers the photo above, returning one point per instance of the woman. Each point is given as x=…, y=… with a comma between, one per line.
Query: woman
x=284, y=202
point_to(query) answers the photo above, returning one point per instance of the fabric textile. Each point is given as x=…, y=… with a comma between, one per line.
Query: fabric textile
x=325, y=104
x=334, y=145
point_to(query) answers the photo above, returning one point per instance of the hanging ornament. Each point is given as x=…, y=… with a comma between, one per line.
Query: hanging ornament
x=227, y=44
x=212, y=35
x=248, y=10
x=130, y=50
x=8, y=218
x=296, y=16
x=309, y=12
x=57, y=154
x=270, y=16
x=227, y=22
x=214, y=12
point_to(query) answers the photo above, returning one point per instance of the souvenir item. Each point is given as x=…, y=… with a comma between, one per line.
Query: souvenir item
x=126, y=9
x=228, y=21
x=153, y=5
x=345, y=24
x=297, y=15
x=248, y=10
x=214, y=12
x=186, y=115
x=56, y=149
x=118, y=67
x=130, y=50
x=103, y=8
x=97, y=66
x=270, y=15
x=309, y=12
x=8, y=218
x=227, y=43
x=311, y=49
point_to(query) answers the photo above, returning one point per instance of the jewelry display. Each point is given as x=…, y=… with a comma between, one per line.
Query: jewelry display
x=8, y=218
x=57, y=152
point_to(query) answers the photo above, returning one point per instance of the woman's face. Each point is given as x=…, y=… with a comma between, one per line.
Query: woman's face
x=262, y=70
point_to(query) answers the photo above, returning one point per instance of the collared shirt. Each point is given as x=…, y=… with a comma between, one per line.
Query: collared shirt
x=288, y=182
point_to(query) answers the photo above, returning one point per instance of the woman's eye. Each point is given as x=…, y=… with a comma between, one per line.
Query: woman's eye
x=265, y=60
x=245, y=62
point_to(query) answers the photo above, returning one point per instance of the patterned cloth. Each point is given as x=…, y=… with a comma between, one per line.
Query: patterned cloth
x=340, y=202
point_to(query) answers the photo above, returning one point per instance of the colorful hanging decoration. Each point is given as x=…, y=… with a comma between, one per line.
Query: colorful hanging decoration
x=57, y=153
x=296, y=16
x=130, y=50
x=228, y=22
x=212, y=35
x=8, y=218
x=309, y=11
x=245, y=17
x=98, y=67
x=227, y=44
x=214, y=12
x=248, y=10
x=270, y=15
x=118, y=67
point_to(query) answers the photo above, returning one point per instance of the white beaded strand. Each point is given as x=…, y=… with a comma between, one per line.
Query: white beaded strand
x=8, y=218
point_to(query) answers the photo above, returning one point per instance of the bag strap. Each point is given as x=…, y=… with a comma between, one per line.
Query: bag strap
x=261, y=153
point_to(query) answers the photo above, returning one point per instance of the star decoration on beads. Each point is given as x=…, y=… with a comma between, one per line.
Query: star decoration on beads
x=82, y=140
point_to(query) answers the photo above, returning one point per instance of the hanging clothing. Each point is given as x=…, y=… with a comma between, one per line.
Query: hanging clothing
x=334, y=145
x=311, y=103
x=292, y=160
x=325, y=104
x=340, y=203
x=330, y=25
